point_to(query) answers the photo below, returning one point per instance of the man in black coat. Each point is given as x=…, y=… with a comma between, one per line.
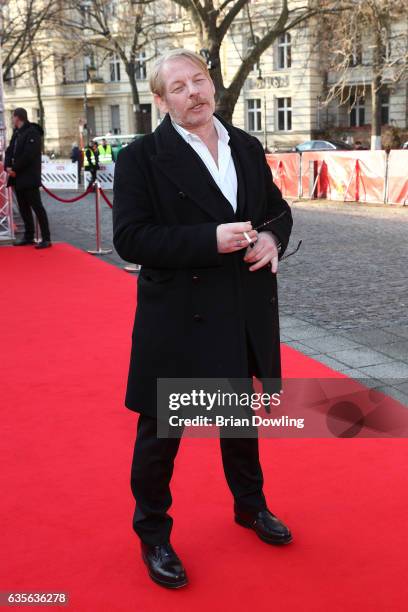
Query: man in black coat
x=92, y=162
x=23, y=166
x=187, y=200
x=76, y=158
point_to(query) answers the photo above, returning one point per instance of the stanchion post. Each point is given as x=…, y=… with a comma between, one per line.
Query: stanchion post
x=10, y=212
x=358, y=181
x=386, y=178
x=99, y=250
x=300, y=184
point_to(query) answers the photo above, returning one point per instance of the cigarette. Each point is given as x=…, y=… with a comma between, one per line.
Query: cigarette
x=246, y=236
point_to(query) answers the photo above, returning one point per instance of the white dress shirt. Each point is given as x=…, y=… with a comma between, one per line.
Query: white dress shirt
x=224, y=174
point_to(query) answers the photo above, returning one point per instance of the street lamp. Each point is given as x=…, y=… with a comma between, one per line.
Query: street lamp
x=90, y=74
x=261, y=84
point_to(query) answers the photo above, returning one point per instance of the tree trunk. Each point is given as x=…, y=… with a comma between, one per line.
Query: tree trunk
x=137, y=113
x=375, y=115
x=378, y=65
x=37, y=85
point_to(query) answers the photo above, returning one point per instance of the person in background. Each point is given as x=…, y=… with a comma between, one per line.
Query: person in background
x=23, y=166
x=76, y=158
x=105, y=153
x=92, y=162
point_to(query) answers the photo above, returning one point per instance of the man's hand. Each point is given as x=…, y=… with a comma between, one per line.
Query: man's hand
x=264, y=251
x=230, y=236
x=10, y=172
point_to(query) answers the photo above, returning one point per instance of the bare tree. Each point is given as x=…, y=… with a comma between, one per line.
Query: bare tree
x=367, y=50
x=212, y=20
x=126, y=28
x=24, y=23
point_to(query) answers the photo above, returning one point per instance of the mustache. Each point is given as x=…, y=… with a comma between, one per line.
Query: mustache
x=197, y=102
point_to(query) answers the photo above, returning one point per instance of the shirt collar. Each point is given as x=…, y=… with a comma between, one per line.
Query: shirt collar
x=222, y=132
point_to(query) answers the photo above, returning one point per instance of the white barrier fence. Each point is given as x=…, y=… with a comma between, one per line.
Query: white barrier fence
x=105, y=176
x=56, y=175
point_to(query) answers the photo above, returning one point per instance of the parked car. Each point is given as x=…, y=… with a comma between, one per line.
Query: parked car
x=322, y=145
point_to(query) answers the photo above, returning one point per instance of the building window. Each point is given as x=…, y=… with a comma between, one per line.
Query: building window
x=89, y=63
x=115, y=119
x=63, y=63
x=176, y=11
x=114, y=67
x=284, y=106
x=250, y=44
x=254, y=115
x=357, y=113
x=140, y=66
x=356, y=56
x=111, y=8
x=85, y=11
x=385, y=108
x=90, y=122
x=284, y=51
x=385, y=45
x=10, y=78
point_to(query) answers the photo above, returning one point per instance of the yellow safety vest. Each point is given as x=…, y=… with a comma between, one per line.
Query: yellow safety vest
x=105, y=155
x=93, y=159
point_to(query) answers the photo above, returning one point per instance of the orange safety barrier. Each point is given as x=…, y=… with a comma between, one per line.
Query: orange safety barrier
x=285, y=171
x=344, y=175
x=398, y=177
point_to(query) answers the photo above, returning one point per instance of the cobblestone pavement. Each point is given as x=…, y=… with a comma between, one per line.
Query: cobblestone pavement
x=343, y=296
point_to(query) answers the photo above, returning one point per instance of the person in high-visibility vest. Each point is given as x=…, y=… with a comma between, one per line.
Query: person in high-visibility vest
x=92, y=161
x=105, y=153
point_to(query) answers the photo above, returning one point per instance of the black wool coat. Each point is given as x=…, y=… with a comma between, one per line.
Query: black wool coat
x=195, y=306
x=24, y=156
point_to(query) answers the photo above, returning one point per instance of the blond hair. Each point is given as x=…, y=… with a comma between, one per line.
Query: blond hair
x=156, y=81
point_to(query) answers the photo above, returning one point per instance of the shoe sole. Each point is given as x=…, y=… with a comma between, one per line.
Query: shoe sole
x=164, y=583
x=261, y=537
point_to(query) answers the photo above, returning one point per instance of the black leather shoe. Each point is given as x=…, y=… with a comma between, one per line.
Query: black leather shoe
x=24, y=242
x=164, y=566
x=44, y=244
x=266, y=526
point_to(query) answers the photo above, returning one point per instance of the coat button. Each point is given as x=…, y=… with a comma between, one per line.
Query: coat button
x=181, y=194
x=197, y=318
x=272, y=300
x=196, y=279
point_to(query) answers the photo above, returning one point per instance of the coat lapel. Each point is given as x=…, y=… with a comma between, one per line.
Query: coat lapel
x=184, y=167
x=246, y=159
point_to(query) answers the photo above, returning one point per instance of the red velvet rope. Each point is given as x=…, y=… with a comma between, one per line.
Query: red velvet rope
x=83, y=195
x=105, y=197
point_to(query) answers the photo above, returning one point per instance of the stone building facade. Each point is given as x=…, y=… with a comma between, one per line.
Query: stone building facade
x=281, y=102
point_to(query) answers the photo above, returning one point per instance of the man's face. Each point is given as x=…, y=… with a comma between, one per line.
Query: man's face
x=16, y=121
x=104, y=143
x=188, y=94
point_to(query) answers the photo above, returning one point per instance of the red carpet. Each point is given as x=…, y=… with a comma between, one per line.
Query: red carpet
x=67, y=443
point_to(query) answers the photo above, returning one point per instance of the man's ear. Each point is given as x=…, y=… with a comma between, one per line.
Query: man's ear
x=160, y=103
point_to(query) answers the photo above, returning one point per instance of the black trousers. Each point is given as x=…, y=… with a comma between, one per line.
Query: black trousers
x=152, y=469
x=28, y=199
x=93, y=171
